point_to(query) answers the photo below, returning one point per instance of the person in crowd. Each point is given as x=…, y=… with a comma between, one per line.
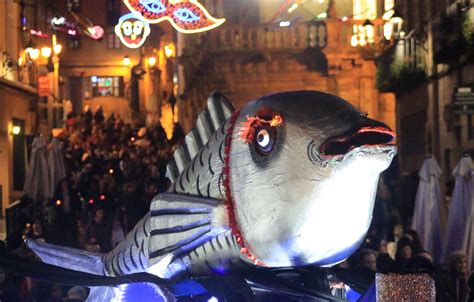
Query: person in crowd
x=470, y=284
x=455, y=277
x=367, y=259
x=416, y=242
x=99, y=115
x=76, y=294
x=98, y=233
x=37, y=231
x=9, y=287
x=403, y=255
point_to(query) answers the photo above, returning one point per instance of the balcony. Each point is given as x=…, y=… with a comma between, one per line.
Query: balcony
x=330, y=34
x=453, y=34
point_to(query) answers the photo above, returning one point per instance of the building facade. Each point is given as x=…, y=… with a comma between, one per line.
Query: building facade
x=131, y=82
x=257, y=52
x=18, y=97
x=53, y=52
x=431, y=71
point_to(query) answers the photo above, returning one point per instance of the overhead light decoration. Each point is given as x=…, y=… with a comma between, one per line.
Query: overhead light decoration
x=38, y=33
x=186, y=16
x=132, y=30
x=285, y=23
x=96, y=32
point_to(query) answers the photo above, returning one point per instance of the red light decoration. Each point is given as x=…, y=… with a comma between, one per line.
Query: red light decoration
x=102, y=197
x=186, y=16
x=91, y=201
x=38, y=33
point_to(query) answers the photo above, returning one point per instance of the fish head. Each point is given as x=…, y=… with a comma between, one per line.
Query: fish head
x=304, y=168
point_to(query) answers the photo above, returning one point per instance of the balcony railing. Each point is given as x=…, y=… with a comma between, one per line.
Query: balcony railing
x=325, y=33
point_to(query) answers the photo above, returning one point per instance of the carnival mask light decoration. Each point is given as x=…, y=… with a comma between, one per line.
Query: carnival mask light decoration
x=186, y=16
x=289, y=180
x=132, y=30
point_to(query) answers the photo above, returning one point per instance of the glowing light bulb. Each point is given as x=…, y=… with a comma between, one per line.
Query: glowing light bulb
x=58, y=202
x=57, y=49
x=16, y=130
x=126, y=61
x=34, y=53
x=170, y=50
x=151, y=61
x=46, y=51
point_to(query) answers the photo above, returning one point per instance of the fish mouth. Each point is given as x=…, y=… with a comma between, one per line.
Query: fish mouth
x=374, y=139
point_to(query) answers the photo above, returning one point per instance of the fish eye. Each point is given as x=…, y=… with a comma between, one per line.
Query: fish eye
x=186, y=15
x=264, y=139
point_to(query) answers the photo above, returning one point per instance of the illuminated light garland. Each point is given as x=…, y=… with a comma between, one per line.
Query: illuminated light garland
x=229, y=202
x=132, y=30
x=38, y=33
x=185, y=16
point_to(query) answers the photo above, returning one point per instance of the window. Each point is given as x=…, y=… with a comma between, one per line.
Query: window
x=19, y=155
x=113, y=11
x=113, y=41
x=413, y=133
x=364, y=9
x=73, y=6
x=74, y=43
x=107, y=86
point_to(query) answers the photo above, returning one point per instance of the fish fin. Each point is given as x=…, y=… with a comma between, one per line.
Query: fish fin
x=218, y=110
x=66, y=257
x=177, y=221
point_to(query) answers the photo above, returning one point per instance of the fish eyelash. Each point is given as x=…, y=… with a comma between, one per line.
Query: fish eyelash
x=247, y=130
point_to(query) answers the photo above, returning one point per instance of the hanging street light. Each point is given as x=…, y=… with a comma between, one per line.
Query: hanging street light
x=369, y=31
x=397, y=22
x=126, y=61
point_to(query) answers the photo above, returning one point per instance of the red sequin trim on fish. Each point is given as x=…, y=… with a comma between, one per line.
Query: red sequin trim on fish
x=229, y=202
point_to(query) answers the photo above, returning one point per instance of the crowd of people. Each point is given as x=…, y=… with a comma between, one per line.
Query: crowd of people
x=114, y=169
x=453, y=281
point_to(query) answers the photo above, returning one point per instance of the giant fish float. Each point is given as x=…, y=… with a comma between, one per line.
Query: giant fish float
x=288, y=180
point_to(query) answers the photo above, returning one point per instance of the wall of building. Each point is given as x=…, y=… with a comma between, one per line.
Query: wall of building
x=96, y=58
x=14, y=103
x=15, y=96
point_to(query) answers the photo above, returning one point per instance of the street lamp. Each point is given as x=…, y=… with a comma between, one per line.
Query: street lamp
x=170, y=50
x=397, y=21
x=126, y=61
x=16, y=130
x=33, y=53
x=57, y=49
x=369, y=31
x=151, y=62
x=46, y=52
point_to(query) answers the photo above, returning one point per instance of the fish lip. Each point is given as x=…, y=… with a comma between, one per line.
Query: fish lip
x=366, y=139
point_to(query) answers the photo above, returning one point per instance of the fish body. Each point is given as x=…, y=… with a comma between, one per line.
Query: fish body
x=288, y=180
